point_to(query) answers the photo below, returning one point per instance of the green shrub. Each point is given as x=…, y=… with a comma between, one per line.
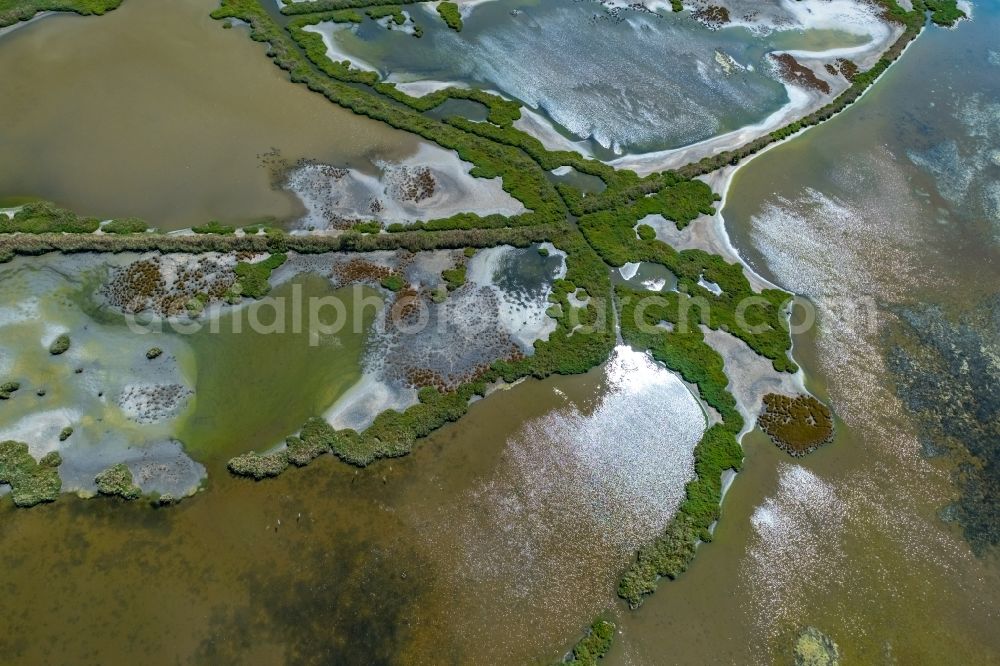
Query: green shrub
x=259, y=466
x=30, y=482
x=117, y=481
x=454, y=277
x=944, y=12
x=646, y=232
x=449, y=12
x=127, y=225
x=42, y=217
x=253, y=278
x=393, y=282
x=12, y=11
x=594, y=646
x=214, y=227
x=60, y=345
x=371, y=227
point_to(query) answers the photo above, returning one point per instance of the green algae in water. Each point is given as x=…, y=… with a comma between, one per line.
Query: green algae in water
x=254, y=389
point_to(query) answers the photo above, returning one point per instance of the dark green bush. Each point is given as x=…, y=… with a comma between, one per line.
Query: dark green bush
x=449, y=12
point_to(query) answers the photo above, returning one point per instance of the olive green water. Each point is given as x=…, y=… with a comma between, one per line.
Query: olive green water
x=155, y=110
x=334, y=565
x=261, y=375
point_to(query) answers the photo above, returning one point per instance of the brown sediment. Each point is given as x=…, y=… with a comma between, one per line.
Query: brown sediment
x=141, y=286
x=360, y=270
x=792, y=70
x=798, y=425
x=418, y=377
x=415, y=184
x=406, y=309
x=711, y=16
x=322, y=176
x=848, y=68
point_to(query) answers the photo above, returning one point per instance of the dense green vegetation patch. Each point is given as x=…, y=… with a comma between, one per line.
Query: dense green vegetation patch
x=449, y=12
x=943, y=12
x=393, y=282
x=117, y=481
x=333, y=5
x=8, y=389
x=381, y=12
x=31, y=482
x=594, y=646
x=797, y=425
x=454, y=277
x=128, y=225
x=259, y=466
x=42, y=217
x=253, y=277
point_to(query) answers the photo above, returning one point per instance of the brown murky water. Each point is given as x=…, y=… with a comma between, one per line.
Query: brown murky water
x=155, y=110
x=326, y=564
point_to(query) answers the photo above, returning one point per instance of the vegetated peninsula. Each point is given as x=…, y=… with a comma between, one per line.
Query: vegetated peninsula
x=581, y=237
x=12, y=11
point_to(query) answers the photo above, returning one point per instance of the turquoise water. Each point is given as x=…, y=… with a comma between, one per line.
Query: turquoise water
x=632, y=81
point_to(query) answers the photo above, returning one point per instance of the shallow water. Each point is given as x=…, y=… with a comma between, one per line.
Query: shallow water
x=257, y=385
x=121, y=406
x=880, y=217
x=176, y=131
x=397, y=563
x=543, y=54
x=534, y=494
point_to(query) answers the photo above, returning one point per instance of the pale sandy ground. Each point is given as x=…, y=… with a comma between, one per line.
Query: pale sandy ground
x=523, y=321
x=328, y=31
x=350, y=196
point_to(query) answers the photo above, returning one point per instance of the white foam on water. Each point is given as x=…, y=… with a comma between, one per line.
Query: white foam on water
x=628, y=271
x=795, y=545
